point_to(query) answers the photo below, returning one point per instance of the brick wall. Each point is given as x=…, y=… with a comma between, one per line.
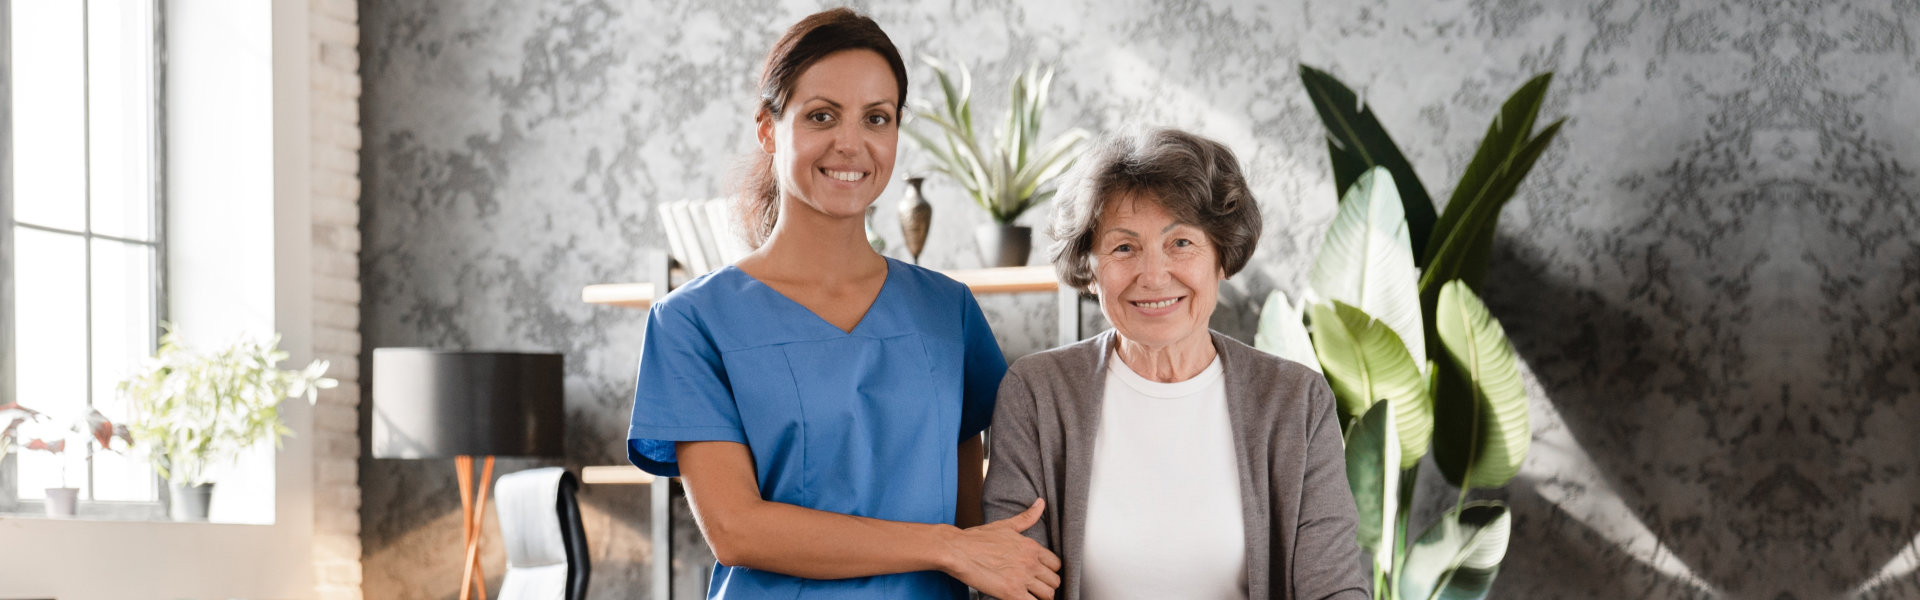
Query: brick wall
x=334, y=42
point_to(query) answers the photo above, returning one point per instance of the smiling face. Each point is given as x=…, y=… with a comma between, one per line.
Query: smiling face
x=1158, y=280
x=833, y=147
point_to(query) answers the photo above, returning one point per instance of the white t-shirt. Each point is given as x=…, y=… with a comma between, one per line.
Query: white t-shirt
x=1163, y=503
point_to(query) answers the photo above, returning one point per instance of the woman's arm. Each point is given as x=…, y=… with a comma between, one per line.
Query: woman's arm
x=1329, y=564
x=966, y=507
x=1014, y=482
x=745, y=530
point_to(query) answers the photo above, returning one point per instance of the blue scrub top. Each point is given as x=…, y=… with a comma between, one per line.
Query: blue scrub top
x=864, y=423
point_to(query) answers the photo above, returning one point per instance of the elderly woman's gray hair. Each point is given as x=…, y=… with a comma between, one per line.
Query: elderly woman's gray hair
x=1197, y=181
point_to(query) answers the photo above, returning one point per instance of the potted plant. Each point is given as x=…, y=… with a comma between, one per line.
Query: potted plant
x=43, y=435
x=1005, y=177
x=196, y=411
x=1415, y=359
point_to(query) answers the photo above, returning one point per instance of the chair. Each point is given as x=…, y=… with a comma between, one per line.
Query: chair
x=546, y=545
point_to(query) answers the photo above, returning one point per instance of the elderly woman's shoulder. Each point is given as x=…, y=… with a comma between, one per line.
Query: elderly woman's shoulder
x=1083, y=355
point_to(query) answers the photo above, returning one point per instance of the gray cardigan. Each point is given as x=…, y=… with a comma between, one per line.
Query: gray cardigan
x=1300, y=515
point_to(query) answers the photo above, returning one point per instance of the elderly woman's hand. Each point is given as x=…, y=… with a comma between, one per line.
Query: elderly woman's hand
x=1000, y=562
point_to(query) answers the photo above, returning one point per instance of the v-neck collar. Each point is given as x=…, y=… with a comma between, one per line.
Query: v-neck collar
x=886, y=283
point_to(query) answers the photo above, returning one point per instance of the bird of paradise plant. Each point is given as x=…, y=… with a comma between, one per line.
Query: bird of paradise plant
x=1415, y=359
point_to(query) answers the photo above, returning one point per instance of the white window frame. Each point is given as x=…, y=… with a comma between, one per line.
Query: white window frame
x=10, y=502
x=234, y=71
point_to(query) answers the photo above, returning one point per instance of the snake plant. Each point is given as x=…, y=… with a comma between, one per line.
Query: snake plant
x=1011, y=173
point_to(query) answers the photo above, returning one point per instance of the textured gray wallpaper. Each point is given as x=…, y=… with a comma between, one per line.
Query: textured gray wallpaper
x=1711, y=277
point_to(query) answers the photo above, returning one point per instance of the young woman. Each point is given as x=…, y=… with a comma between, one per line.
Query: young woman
x=823, y=404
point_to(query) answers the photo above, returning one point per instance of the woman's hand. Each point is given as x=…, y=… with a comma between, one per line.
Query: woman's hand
x=1000, y=562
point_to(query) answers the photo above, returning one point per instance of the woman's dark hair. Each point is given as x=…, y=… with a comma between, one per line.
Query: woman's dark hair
x=1197, y=180
x=757, y=193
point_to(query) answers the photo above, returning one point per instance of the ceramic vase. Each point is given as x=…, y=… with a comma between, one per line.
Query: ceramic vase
x=916, y=217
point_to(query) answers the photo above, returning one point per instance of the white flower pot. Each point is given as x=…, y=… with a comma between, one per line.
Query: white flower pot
x=62, y=501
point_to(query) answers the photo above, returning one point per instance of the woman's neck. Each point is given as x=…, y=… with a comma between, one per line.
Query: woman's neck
x=1175, y=362
x=808, y=245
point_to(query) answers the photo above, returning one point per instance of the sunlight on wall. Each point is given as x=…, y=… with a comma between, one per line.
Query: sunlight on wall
x=1562, y=472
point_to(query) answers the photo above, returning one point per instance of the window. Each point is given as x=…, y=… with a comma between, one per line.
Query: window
x=80, y=236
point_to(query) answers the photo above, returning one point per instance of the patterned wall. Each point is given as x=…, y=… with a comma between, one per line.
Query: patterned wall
x=1711, y=276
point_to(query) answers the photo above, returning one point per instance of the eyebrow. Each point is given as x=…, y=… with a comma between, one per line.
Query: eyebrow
x=837, y=104
x=1131, y=232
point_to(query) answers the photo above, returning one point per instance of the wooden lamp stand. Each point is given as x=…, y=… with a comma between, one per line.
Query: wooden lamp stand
x=473, y=509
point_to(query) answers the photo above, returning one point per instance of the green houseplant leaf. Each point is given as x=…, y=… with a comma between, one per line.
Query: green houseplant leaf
x=1367, y=260
x=1011, y=175
x=1283, y=331
x=194, y=411
x=1477, y=404
x=1467, y=259
x=1463, y=236
x=1365, y=362
x=1373, y=473
x=1458, y=557
x=1356, y=142
x=1482, y=434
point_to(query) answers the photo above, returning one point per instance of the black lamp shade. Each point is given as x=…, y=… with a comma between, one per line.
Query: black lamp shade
x=441, y=404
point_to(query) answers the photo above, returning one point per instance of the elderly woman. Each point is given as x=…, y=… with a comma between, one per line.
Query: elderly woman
x=1175, y=461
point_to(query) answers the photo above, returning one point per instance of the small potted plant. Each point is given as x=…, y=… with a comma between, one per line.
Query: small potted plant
x=197, y=411
x=43, y=435
x=1006, y=177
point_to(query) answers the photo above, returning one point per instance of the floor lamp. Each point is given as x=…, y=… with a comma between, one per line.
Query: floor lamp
x=440, y=404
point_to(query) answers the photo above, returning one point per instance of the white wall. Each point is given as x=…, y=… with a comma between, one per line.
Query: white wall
x=238, y=129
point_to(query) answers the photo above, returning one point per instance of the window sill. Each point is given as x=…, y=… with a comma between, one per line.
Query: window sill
x=90, y=511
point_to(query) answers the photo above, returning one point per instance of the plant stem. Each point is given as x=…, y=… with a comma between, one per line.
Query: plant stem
x=1466, y=483
x=1380, y=585
x=1408, y=481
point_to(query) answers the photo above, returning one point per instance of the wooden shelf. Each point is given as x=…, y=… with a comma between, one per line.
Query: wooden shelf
x=627, y=474
x=1003, y=280
x=630, y=295
x=1007, y=280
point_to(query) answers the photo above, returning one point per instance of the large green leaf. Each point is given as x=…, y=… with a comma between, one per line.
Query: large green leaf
x=1373, y=473
x=1367, y=260
x=1483, y=431
x=1458, y=557
x=1366, y=362
x=1356, y=141
x=1462, y=237
x=1283, y=331
x=1463, y=253
x=1508, y=132
x=1474, y=267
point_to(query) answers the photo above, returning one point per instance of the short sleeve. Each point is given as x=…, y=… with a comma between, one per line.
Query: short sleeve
x=682, y=393
x=984, y=369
